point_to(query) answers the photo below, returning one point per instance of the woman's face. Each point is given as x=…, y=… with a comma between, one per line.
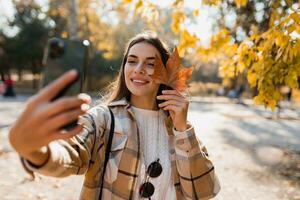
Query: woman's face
x=138, y=68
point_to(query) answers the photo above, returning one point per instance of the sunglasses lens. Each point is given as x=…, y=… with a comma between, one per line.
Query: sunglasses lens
x=154, y=169
x=146, y=190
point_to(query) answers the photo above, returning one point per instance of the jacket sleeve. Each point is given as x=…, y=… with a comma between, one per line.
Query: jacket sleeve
x=196, y=171
x=73, y=156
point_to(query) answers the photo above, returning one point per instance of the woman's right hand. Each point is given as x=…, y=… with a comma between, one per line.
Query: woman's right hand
x=42, y=119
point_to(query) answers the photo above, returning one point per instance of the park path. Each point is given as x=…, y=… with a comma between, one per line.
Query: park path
x=256, y=157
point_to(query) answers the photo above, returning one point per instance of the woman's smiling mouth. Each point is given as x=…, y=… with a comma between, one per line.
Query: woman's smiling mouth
x=139, y=82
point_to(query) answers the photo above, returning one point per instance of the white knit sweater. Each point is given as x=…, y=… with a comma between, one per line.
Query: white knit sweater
x=154, y=144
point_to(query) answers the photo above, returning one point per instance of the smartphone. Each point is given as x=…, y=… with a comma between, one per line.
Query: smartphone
x=161, y=88
x=61, y=55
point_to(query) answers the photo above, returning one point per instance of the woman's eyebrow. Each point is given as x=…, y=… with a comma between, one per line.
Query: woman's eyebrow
x=148, y=58
x=134, y=56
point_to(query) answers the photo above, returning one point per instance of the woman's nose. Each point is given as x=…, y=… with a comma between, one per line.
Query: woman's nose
x=139, y=68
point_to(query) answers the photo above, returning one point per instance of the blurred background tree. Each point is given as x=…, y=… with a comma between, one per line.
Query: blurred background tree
x=262, y=43
x=24, y=51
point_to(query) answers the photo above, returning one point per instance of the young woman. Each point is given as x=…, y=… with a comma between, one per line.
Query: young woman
x=154, y=155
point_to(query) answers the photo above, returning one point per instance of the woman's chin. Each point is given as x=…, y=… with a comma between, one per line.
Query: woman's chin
x=139, y=93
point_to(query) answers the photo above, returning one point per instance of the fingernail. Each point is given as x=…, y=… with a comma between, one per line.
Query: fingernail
x=84, y=96
x=73, y=72
x=80, y=124
x=85, y=107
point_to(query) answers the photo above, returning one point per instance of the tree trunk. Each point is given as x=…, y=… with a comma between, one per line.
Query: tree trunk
x=1, y=75
x=20, y=74
x=73, y=19
x=34, y=82
x=33, y=71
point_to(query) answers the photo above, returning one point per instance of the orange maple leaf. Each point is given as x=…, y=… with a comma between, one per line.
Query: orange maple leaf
x=174, y=74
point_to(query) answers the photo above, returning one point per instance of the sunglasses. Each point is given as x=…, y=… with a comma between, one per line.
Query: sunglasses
x=153, y=171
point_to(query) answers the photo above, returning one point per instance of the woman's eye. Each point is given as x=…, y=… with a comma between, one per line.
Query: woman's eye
x=151, y=64
x=130, y=61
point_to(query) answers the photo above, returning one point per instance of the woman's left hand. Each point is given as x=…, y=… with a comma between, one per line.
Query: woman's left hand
x=177, y=104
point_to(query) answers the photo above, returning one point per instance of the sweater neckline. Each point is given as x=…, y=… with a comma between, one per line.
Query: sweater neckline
x=146, y=112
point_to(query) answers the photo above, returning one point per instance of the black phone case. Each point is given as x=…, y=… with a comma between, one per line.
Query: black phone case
x=62, y=55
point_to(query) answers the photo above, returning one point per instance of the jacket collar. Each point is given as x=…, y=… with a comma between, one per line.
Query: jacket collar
x=121, y=102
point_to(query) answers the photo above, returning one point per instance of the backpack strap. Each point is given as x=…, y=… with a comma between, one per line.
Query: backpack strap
x=107, y=151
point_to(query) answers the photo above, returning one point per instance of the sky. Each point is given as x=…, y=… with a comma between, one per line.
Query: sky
x=203, y=28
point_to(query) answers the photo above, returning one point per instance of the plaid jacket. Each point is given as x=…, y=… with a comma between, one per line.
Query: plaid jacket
x=193, y=173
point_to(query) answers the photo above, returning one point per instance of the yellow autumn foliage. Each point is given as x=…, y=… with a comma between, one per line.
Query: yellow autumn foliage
x=178, y=19
x=241, y=3
x=127, y=1
x=138, y=5
x=187, y=40
x=270, y=59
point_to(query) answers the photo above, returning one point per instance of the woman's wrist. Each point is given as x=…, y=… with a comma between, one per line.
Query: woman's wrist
x=181, y=128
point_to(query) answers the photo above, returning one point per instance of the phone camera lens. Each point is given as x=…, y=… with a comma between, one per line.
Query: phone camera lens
x=57, y=48
x=86, y=43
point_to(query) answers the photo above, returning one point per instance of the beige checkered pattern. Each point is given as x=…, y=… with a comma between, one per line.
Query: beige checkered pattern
x=193, y=173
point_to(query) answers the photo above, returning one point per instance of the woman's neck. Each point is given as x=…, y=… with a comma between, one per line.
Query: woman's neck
x=143, y=102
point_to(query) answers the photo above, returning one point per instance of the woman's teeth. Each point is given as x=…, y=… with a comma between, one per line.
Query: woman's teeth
x=139, y=81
